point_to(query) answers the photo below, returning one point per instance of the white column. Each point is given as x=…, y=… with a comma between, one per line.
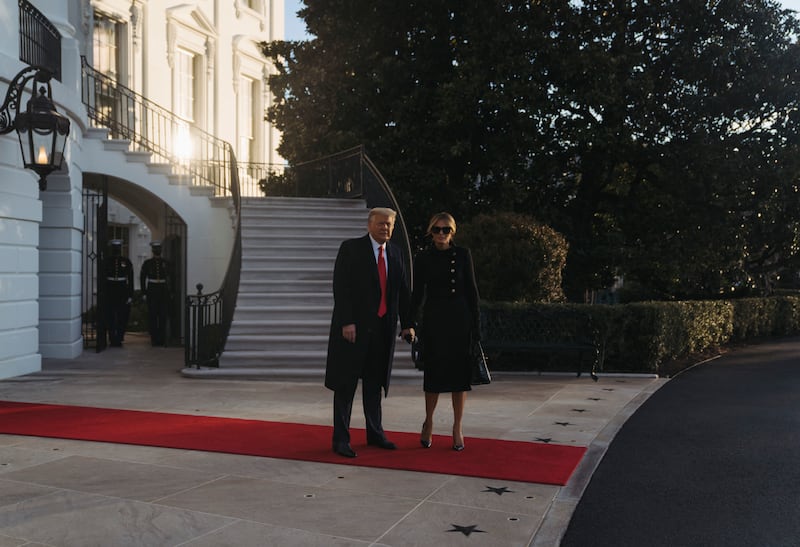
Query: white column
x=60, y=252
x=20, y=215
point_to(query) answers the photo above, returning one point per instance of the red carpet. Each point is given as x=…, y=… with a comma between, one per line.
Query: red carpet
x=487, y=458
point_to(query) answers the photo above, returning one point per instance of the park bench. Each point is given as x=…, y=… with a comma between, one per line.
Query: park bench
x=541, y=338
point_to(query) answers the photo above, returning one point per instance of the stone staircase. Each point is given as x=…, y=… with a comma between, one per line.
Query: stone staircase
x=283, y=311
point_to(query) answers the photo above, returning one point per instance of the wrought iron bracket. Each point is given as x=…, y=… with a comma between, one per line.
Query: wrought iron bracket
x=10, y=108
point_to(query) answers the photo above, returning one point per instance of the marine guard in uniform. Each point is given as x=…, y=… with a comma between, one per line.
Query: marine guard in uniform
x=155, y=280
x=119, y=293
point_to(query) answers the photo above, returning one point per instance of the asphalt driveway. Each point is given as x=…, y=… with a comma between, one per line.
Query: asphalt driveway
x=711, y=459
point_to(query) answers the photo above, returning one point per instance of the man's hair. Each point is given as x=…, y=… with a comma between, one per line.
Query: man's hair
x=383, y=211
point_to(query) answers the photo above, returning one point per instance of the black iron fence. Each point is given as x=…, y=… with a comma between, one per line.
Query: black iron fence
x=190, y=151
x=39, y=40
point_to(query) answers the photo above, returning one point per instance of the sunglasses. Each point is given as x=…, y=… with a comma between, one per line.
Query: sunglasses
x=441, y=230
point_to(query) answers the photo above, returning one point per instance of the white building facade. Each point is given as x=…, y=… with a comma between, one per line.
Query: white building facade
x=197, y=60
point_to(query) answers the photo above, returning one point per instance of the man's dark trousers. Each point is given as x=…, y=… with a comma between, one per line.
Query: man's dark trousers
x=157, y=308
x=372, y=377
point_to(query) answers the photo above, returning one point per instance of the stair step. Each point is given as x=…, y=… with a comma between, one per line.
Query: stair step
x=261, y=238
x=138, y=156
x=282, y=318
x=315, y=216
x=202, y=190
x=321, y=274
x=100, y=133
x=277, y=343
x=280, y=326
x=303, y=230
x=260, y=358
x=159, y=168
x=117, y=145
x=280, y=252
x=278, y=286
x=293, y=262
x=304, y=204
x=283, y=312
x=268, y=299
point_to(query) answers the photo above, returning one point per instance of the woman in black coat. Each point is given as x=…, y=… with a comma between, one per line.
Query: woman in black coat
x=445, y=289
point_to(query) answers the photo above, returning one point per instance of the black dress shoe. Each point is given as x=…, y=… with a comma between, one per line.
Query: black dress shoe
x=345, y=450
x=383, y=443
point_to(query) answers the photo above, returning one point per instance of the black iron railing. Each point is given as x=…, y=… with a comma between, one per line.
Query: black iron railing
x=209, y=316
x=347, y=174
x=190, y=151
x=39, y=40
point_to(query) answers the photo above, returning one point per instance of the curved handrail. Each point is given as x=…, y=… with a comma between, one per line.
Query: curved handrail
x=346, y=174
x=209, y=316
x=385, y=194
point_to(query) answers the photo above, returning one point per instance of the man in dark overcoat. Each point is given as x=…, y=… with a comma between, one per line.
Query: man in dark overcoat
x=363, y=327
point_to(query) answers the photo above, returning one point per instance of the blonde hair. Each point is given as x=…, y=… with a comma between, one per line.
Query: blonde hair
x=447, y=217
x=383, y=211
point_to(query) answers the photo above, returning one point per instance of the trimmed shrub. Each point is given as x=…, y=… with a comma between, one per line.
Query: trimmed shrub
x=517, y=259
x=644, y=337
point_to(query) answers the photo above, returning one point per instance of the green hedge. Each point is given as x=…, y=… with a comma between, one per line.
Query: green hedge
x=643, y=337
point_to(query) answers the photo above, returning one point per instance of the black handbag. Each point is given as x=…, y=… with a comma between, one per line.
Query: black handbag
x=417, y=353
x=480, y=372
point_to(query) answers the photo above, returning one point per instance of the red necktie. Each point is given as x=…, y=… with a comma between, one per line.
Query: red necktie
x=382, y=279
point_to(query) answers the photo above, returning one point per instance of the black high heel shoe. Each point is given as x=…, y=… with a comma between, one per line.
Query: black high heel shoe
x=426, y=443
x=458, y=447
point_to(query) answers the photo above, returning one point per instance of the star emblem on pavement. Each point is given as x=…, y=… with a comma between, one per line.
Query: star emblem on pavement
x=594, y=399
x=565, y=424
x=498, y=490
x=578, y=410
x=466, y=530
x=543, y=439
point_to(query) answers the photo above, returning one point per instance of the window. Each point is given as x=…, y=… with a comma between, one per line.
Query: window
x=184, y=84
x=105, y=46
x=108, y=52
x=185, y=103
x=246, y=120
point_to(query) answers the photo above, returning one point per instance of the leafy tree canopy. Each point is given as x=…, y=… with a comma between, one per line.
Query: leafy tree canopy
x=659, y=137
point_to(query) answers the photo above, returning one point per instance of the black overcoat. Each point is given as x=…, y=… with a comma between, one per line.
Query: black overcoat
x=356, y=294
x=446, y=300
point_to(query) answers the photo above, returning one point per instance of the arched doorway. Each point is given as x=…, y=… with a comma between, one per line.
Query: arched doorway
x=149, y=218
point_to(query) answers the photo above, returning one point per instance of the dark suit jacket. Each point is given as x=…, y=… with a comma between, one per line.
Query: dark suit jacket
x=357, y=293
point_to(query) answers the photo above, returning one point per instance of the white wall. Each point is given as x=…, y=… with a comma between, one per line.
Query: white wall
x=41, y=233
